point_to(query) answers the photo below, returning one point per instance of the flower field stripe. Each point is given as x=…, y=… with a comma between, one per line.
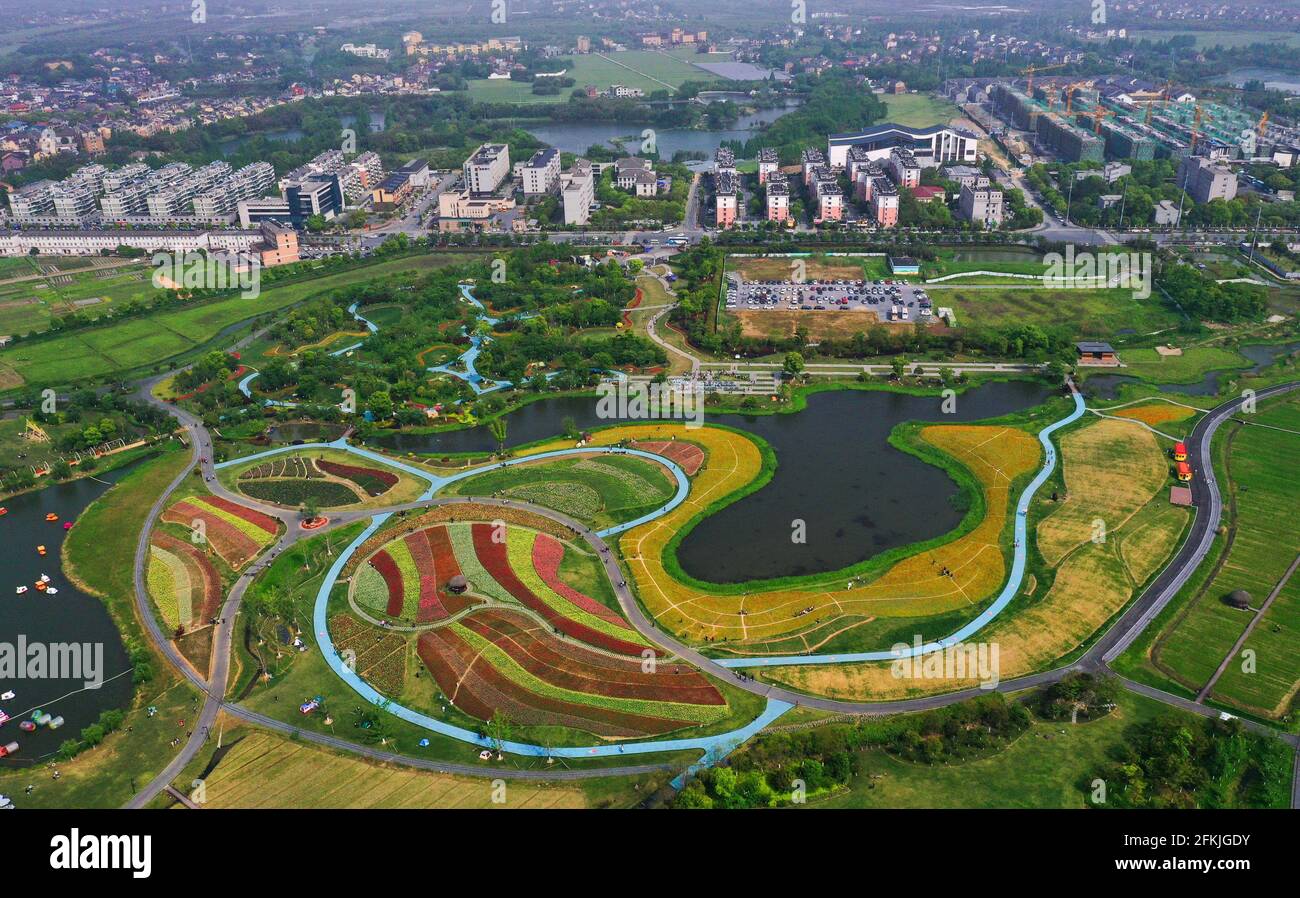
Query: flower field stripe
x=548, y=552
x=445, y=567
x=256, y=532
x=429, y=605
x=513, y=671
x=401, y=555
x=463, y=541
x=388, y=569
x=480, y=689
x=520, y=556
x=495, y=559
x=162, y=584
x=233, y=545
x=251, y=515
x=534, y=649
x=205, y=582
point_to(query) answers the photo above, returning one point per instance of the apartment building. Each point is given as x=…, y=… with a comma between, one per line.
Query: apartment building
x=829, y=197
x=810, y=159
x=541, y=174
x=578, y=192
x=778, y=198
x=981, y=203
x=726, y=200
x=486, y=168
x=1206, y=180
x=724, y=160
x=904, y=168
x=883, y=202
x=768, y=164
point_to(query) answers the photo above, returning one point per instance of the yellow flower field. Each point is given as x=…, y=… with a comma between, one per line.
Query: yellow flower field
x=915, y=586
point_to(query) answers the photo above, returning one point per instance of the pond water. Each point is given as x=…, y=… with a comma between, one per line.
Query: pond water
x=306, y=431
x=1274, y=79
x=857, y=495
x=1107, y=386
x=69, y=617
x=578, y=137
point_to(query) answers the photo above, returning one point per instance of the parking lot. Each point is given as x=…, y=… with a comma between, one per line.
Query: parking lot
x=890, y=300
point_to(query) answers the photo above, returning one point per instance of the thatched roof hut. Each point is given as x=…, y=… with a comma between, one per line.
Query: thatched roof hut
x=1239, y=598
x=457, y=584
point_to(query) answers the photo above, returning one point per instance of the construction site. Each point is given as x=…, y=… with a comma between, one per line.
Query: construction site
x=1076, y=119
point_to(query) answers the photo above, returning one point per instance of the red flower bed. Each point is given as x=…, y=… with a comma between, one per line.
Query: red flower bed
x=636, y=301
x=233, y=546
x=254, y=517
x=387, y=567
x=582, y=670
x=548, y=552
x=492, y=555
x=207, y=582
x=479, y=689
x=445, y=567
x=688, y=456
x=374, y=481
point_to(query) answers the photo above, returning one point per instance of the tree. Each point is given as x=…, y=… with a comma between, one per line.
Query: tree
x=898, y=367
x=793, y=364
x=497, y=427
x=380, y=404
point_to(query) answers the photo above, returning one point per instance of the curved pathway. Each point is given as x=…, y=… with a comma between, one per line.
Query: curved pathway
x=1110, y=645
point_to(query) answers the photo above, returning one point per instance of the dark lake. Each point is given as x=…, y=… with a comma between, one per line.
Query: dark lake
x=69, y=617
x=857, y=495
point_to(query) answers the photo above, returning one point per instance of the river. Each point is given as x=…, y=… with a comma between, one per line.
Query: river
x=1107, y=386
x=69, y=617
x=857, y=495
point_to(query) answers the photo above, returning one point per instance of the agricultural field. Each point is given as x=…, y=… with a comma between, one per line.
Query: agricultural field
x=600, y=490
x=262, y=770
x=36, y=291
x=236, y=533
x=1089, y=313
x=135, y=343
x=1261, y=545
x=327, y=478
x=1091, y=579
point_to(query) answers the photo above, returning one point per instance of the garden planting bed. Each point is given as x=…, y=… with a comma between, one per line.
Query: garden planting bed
x=235, y=532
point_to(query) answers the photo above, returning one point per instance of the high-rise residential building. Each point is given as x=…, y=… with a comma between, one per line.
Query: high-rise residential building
x=486, y=168
x=541, y=174
x=578, y=192
x=726, y=200
x=768, y=164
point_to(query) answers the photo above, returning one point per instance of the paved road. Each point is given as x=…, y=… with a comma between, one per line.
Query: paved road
x=1111, y=644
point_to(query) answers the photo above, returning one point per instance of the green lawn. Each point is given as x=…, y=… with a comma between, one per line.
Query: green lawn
x=1190, y=367
x=1049, y=766
x=919, y=110
x=600, y=491
x=645, y=69
x=142, y=342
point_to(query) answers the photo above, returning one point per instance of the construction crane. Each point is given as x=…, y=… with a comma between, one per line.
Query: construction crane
x=1263, y=125
x=1098, y=113
x=1196, y=127
x=1069, y=94
x=1050, y=93
x=1031, y=70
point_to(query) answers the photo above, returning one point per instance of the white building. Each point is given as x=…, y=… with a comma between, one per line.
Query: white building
x=541, y=174
x=486, y=168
